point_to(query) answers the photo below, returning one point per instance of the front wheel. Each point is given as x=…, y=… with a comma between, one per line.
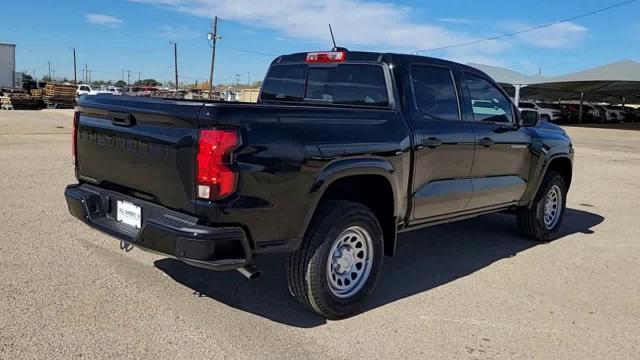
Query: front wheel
x=338, y=264
x=542, y=220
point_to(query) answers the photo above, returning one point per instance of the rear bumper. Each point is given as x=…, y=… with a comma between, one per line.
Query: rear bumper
x=163, y=231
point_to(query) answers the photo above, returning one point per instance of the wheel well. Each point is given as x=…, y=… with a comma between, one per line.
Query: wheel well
x=562, y=165
x=374, y=192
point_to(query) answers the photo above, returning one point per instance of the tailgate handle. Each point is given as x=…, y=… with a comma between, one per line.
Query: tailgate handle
x=121, y=119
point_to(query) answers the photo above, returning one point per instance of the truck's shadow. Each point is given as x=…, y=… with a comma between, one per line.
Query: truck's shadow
x=425, y=259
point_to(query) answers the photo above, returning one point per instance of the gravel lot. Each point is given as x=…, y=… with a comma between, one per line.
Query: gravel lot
x=461, y=291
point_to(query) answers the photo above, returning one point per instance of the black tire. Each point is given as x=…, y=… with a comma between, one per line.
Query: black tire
x=545, y=118
x=307, y=267
x=531, y=219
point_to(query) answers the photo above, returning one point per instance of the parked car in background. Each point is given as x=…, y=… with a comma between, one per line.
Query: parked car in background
x=86, y=89
x=547, y=112
x=571, y=112
x=606, y=114
x=621, y=113
x=114, y=90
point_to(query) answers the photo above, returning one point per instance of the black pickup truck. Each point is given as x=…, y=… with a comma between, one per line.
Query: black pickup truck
x=343, y=151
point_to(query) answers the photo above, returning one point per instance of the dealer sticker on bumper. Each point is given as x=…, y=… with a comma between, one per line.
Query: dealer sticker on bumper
x=129, y=214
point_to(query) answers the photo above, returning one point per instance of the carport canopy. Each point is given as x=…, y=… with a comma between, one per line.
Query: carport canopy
x=614, y=83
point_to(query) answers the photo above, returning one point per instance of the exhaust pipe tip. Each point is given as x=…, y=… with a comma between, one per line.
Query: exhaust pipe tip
x=250, y=272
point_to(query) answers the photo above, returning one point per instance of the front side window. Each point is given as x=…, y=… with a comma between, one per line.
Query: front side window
x=435, y=92
x=489, y=104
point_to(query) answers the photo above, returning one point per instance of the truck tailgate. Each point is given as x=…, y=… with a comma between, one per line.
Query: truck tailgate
x=143, y=147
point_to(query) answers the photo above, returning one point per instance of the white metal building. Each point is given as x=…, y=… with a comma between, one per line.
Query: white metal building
x=7, y=65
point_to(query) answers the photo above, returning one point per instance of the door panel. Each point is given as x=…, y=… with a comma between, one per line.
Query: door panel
x=502, y=158
x=501, y=166
x=496, y=190
x=442, y=197
x=443, y=144
x=442, y=183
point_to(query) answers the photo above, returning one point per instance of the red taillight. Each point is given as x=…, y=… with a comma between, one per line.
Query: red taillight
x=326, y=57
x=215, y=177
x=74, y=139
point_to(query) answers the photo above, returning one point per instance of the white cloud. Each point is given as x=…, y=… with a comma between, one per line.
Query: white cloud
x=354, y=22
x=560, y=35
x=179, y=33
x=452, y=20
x=104, y=20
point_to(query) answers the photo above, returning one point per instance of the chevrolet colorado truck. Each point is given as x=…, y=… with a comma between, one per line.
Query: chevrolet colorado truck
x=343, y=151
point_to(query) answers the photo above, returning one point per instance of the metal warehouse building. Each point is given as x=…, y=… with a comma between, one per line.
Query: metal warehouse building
x=7, y=65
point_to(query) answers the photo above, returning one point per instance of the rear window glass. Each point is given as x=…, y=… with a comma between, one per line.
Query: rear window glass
x=285, y=83
x=344, y=84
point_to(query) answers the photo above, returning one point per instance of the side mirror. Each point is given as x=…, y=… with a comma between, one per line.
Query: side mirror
x=529, y=118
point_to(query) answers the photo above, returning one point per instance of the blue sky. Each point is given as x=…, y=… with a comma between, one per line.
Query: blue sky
x=111, y=35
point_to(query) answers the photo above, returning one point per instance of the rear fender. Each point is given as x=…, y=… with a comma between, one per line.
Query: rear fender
x=343, y=168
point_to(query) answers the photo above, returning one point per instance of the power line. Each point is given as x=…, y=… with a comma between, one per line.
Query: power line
x=538, y=27
x=248, y=51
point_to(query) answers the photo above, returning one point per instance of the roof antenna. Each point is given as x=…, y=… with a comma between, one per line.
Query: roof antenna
x=332, y=38
x=335, y=47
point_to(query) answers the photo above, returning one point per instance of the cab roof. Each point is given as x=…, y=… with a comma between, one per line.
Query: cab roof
x=367, y=56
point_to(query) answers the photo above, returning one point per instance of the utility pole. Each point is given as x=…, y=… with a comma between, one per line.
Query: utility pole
x=175, y=60
x=139, y=77
x=89, y=76
x=213, y=36
x=49, y=62
x=53, y=72
x=75, y=76
x=238, y=80
x=129, y=79
x=86, y=73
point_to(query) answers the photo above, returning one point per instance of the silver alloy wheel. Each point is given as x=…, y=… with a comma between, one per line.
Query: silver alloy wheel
x=552, y=207
x=349, y=263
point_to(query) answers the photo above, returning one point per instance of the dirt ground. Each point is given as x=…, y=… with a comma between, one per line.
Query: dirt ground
x=470, y=290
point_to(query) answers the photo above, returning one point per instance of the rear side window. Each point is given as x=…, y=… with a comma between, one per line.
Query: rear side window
x=344, y=84
x=435, y=92
x=489, y=104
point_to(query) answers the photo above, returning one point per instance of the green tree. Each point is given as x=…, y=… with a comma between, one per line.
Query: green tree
x=121, y=83
x=147, y=82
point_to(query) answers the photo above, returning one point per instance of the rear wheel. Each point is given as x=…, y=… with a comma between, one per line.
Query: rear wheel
x=338, y=264
x=542, y=221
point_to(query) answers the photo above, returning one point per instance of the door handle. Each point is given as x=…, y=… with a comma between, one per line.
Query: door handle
x=121, y=119
x=431, y=142
x=486, y=142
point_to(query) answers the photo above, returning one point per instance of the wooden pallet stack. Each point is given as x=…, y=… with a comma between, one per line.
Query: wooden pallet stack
x=22, y=101
x=59, y=96
x=5, y=103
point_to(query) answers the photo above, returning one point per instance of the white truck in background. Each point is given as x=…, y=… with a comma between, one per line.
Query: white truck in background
x=85, y=89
